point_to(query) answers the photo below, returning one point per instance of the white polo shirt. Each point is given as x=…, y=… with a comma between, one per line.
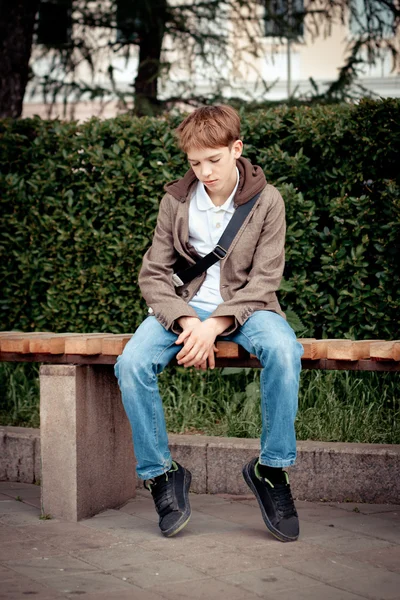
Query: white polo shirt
x=207, y=223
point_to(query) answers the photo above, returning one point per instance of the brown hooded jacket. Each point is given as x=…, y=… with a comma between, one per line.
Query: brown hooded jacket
x=251, y=271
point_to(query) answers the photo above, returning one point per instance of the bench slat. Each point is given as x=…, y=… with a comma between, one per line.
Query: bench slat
x=385, y=350
x=114, y=345
x=91, y=344
x=228, y=350
x=84, y=344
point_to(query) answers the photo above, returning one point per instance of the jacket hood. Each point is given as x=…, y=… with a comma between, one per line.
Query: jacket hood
x=251, y=182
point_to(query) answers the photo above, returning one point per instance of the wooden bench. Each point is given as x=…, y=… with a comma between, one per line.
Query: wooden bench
x=87, y=459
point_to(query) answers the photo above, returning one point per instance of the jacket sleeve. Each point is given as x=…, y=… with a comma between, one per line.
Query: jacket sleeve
x=155, y=276
x=266, y=270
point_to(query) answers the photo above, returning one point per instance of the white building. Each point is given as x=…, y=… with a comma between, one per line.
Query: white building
x=283, y=68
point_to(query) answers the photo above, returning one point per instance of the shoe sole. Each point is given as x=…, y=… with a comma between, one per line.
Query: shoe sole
x=277, y=534
x=184, y=520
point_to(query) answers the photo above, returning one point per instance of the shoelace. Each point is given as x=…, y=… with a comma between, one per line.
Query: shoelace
x=283, y=497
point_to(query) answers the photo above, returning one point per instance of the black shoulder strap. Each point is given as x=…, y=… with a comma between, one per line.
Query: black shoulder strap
x=220, y=250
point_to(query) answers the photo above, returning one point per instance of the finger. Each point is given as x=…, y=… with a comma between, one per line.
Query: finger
x=183, y=336
x=187, y=347
x=211, y=359
x=202, y=366
x=196, y=359
x=194, y=354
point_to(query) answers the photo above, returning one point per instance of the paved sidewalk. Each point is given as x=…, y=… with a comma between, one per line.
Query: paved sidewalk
x=346, y=552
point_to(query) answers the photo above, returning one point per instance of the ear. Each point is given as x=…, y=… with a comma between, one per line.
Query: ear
x=237, y=148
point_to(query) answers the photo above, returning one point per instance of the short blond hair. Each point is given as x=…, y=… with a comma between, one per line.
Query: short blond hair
x=209, y=127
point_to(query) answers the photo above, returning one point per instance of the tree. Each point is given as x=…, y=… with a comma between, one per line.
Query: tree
x=17, y=18
x=73, y=35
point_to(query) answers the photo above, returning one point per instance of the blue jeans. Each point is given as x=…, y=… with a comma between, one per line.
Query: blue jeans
x=265, y=334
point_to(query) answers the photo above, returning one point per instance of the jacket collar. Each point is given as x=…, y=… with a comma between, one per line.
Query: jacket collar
x=251, y=182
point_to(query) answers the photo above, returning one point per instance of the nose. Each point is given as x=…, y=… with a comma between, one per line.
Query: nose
x=206, y=171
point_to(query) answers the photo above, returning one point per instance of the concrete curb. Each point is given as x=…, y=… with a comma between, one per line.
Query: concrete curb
x=20, y=454
x=335, y=472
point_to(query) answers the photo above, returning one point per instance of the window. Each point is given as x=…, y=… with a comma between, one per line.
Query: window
x=284, y=18
x=371, y=15
x=54, y=25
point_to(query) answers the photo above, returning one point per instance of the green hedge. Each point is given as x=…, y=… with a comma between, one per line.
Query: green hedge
x=79, y=204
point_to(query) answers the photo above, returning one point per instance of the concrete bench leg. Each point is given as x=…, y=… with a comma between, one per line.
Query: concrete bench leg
x=87, y=455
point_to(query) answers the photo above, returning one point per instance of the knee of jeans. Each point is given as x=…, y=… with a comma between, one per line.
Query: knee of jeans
x=131, y=364
x=284, y=352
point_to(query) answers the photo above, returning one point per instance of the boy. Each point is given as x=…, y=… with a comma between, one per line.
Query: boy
x=235, y=298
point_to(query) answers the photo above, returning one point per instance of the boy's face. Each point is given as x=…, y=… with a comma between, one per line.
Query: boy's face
x=216, y=167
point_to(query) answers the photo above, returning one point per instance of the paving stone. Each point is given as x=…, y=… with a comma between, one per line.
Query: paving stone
x=25, y=549
x=367, y=525
x=357, y=558
x=165, y=571
x=75, y=584
x=236, y=497
x=34, y=502
x=201, y=500
x=365, y=509
x=352, y=576
x=71, y=536
x=321, y=513
x=386, y=558
x=28, y=516
x=120, y=557
x=349, y=543
x=20, y=588
x=4, y=497
x=9, y=506
x=52, y=566
x=317, y=591
x=134, y=593
x=310, y=530
x=390, y=516
x=246, y=536
x=125, y=527
x=179, y=546
x=208, y=589
x=12, y=534
x=220, y=563
x=32, y=491
x=270, y=580
x=277, y=554
x=15, y=485
x=202, y=523
x=236, y=512
x=6, y=573
x=141, y=507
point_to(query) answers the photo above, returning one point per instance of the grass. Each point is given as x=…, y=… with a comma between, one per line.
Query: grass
x=338, y=406
x=19, y=394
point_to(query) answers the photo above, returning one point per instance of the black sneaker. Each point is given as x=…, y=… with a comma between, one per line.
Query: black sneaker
x=276, y=503
x=170, y=493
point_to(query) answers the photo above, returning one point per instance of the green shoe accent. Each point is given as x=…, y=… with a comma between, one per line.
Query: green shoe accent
x=260, y=477
x=149, y=482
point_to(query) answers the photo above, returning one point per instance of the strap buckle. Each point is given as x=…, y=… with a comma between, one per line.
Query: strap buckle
x=176, y=280
x=219, y=252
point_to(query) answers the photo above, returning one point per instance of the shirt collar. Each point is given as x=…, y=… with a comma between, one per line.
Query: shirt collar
x=204, y=201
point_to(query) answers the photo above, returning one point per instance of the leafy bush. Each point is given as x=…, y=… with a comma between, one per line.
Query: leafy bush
x=79, y=204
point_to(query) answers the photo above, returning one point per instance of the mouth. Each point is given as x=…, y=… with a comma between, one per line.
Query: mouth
x=210, y=182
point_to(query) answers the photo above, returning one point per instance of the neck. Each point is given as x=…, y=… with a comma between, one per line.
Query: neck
x=219, y=198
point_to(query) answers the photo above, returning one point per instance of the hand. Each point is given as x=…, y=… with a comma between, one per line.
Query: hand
x=198, y=339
